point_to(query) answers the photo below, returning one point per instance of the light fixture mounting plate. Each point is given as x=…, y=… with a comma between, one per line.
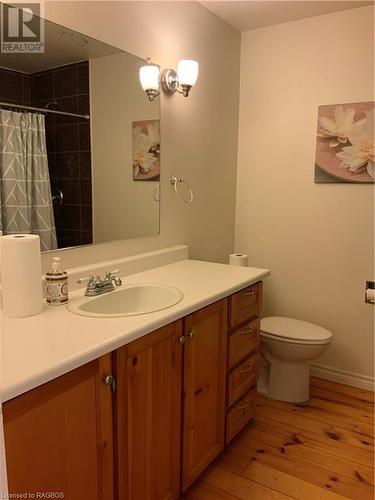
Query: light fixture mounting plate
x=169, y=81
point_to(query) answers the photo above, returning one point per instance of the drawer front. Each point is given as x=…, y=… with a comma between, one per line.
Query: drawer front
x=242, y=379
x=240, y=415
x=243, y=342
x=245, y=304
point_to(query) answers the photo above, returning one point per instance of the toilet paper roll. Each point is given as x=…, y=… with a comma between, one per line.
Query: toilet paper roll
x=370, y=295
x=21, y=275
x=239, y=259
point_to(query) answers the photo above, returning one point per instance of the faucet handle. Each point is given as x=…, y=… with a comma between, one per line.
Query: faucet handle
x=115, y=272
x=89, y=279
x=114, y=276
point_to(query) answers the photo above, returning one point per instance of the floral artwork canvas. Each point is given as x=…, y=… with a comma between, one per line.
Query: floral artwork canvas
x=146, y=150
x=345, y=143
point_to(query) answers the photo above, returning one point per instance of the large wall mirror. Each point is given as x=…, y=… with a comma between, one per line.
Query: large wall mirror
x=90, y=175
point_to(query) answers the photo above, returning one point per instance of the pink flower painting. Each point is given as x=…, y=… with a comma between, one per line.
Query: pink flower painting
x=345, y=143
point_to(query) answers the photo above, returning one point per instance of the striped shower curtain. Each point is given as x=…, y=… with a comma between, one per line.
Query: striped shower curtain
x=25, y=189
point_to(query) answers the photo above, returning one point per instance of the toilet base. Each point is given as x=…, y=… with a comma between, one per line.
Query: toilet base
x=287, y=364
x=287, y=381
x=262, y=384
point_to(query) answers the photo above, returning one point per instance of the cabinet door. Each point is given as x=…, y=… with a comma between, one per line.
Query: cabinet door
x=58, y=437
x=204, y=389
x=148, y=409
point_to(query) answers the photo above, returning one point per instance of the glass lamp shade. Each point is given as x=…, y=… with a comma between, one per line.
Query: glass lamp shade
x=149, y=77
x=187, y=72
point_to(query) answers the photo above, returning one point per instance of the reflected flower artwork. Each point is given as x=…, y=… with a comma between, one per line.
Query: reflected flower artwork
x=146, y=150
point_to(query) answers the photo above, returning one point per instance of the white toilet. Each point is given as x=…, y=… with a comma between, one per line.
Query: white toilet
x=287, y=346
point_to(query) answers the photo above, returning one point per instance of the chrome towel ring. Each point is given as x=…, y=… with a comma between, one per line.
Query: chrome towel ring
x=175, y=181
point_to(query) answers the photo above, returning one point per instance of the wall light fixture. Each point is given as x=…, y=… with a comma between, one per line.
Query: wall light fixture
x=171, y=81
x=149, y=78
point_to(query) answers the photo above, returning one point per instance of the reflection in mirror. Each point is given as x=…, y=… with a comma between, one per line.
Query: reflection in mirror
x=79, y=143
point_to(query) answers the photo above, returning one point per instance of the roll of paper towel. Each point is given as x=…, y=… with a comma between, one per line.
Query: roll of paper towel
x=238, y=259
x=21, y=275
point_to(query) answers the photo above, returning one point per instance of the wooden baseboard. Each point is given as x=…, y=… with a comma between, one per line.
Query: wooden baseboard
x=343, y=377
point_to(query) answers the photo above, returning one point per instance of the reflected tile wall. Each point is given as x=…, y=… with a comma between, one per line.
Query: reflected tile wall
x=68, y=141
x=15, y=87
x=68, y=146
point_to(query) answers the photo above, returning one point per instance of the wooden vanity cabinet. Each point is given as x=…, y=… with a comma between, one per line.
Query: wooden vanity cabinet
x=59, y=436
x=180, y=393
x=243, y=357
x=148, y=416
x=204, y=389
x=170, y=382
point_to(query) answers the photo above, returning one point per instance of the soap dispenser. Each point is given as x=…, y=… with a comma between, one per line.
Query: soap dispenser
x=56, y=284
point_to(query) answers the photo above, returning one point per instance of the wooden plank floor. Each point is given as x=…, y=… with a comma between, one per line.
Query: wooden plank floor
x=322, y=450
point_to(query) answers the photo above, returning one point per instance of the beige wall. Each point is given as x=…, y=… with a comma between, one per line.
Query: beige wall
x=317, y=239
x=199, y=134
x=122, y=207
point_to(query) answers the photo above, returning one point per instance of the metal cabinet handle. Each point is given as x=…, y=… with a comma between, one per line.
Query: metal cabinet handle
x=246, y=370
x=111, y=381
x=244, y=406
x=247, y=293
x=247, y=331
x=187, y=336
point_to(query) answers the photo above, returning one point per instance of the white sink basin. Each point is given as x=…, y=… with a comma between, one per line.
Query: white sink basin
x=128, y=300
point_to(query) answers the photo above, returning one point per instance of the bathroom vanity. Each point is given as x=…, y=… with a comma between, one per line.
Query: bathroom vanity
x=144, y=418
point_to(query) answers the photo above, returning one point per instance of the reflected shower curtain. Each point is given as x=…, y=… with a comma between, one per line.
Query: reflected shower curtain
x=25, y=189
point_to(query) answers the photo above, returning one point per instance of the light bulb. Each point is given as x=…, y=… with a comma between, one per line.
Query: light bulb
x=187, y=71
x=149, y=77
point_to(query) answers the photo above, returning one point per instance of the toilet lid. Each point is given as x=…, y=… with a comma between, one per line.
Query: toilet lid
x=294, y=329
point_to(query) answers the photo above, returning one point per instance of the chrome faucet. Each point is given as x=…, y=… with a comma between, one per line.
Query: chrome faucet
x=97, y=286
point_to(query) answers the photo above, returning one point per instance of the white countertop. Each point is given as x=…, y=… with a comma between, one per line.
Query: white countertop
x=40, y=348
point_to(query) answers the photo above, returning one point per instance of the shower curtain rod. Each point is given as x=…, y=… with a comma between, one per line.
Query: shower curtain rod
x=43, y=110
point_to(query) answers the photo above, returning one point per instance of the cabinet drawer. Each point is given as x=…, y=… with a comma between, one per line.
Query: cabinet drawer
x=243, y=342
x=240, y=415
x=242, y=379
x=245, y=304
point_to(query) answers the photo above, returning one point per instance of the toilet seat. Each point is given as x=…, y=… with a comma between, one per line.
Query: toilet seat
x=294, y=341
x=294, y=331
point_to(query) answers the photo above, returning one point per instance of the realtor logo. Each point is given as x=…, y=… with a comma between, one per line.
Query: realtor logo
x=22, y=28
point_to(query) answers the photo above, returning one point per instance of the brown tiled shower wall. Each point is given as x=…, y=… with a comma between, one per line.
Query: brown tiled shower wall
x=68, y=141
